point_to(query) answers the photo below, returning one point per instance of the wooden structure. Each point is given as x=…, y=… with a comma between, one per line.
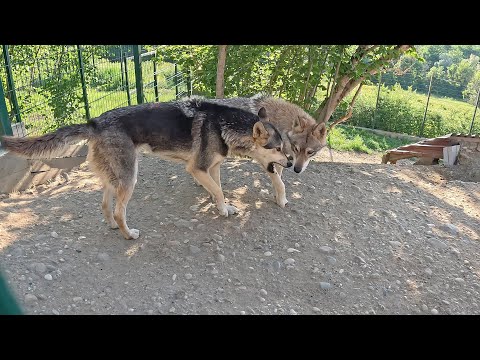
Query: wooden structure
x=429, y=151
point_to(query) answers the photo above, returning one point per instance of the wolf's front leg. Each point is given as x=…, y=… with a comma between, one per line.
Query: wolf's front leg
x=208, y=183
x=278, y=186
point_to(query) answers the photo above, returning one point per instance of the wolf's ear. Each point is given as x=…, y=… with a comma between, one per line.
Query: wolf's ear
x=259, y=131
x=319, y=131
x=299, y=124
x=262, y=114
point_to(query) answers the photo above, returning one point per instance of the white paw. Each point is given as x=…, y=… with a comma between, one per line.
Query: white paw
x=223, y=211
x=232, y=209
x=113, y=225
x=281, y=201
x=134, y=234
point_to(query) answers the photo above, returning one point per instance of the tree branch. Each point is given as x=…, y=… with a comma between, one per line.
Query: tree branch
x=349, y=114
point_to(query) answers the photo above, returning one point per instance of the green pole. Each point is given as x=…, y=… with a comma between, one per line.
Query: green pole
x=82, y=77
x=5, y=126
x=189, y=83
x=127, y=84
x=426, y=107
x=155, y=82
x=378, y=97
x=176, y=82
x=10, y=84
x=138, y=73
x=8, y=304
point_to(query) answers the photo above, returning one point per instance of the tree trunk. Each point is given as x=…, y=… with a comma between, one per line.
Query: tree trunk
x=222, y=56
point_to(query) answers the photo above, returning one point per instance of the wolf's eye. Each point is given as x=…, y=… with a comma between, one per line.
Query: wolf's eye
x=279, y=149
x=310, y=152
x=295, y=148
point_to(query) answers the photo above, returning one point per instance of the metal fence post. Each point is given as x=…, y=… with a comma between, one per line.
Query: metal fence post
x=121, y=65
x=474, y=113
x=155, y=82
x=82, y=78
x=138, y=73
x=176, y=82
x=5, y=126
x=426, y=107
x=189, y=83
x=127, y=84
x=378, y=97
x=10, y=83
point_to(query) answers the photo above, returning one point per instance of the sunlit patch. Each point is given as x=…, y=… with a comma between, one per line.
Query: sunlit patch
x=257, y=183
x=132, y=250
x=393, y=189
x=296, y=195
x=14, y=220
x=258, y=204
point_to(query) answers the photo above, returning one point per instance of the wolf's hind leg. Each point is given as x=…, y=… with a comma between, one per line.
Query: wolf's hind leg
x=107, y=206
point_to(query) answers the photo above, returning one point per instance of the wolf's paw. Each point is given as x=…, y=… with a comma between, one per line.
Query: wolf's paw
x=281, y=201
x=113, y=225
x=133, y=234
x=232, y=209
x=223, y=211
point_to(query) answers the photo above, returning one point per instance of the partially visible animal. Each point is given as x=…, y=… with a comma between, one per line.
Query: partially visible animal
x=197, y=133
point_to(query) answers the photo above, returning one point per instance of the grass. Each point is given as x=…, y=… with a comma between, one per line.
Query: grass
x=347, y=138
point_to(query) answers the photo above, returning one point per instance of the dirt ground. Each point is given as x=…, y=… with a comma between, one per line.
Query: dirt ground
x=357, y=237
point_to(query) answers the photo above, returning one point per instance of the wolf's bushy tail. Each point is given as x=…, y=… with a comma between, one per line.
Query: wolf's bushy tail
x=49, y=144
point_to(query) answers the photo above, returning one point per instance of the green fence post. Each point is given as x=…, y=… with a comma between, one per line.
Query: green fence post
x=127, y=84
x=155, y=82
x=82, y=78
x=5, y=126
x=176, y=82
x=138, y=73
x=10, y=83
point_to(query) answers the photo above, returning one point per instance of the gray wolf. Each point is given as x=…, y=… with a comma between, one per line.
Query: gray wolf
x=302, y=136
x=194, y=132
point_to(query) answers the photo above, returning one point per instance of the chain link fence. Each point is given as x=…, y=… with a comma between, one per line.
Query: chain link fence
x=44, y=87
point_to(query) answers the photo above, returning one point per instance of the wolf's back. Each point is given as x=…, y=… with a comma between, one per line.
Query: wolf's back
x=46, y=145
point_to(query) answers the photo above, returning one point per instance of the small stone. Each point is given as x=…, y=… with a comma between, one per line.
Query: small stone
x=40, y=268
x=131, y=310
x=262, y=299
x=61, y=260
x=450, y=228
x=428, y=271
x=297, y=245
x=55, y=312
x=54, y=234
x=325, y=249
x=263, y=292
x=338, y=182
x=276, y=265
x=293, y=312
x=242, y=312
x=103, y=256
x=217, y=237
x=194, y=249
x=331, y=260
x=173, y=243
x=291, y=250
x=77, y=299
x=48, y=277
x=289, y=261
x=460, y=280
x=359, y=260
x=221, y=257
x=171, y=310
x=316, y=309
x=188, y=276
x=267, y=253
x=434, y=312
x=194, y=207
x=424, y=307
x=325, y=285
x=30, y=298
x=174, y=277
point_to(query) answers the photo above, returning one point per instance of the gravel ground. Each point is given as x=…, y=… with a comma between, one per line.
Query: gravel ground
x=357, y=237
